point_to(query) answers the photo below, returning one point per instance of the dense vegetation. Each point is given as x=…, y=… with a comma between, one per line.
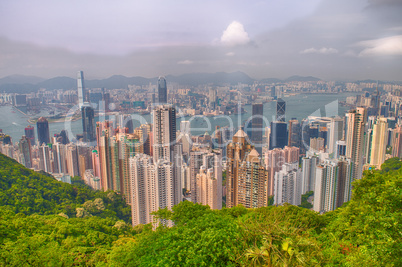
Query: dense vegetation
x=364, y=232
x=28, y=192
x=304, y=200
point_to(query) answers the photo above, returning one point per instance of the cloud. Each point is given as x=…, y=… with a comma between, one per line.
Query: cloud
x=235, y=35
x=388, y=46
x=323, y=50
x=185, y=62
x=230, y=54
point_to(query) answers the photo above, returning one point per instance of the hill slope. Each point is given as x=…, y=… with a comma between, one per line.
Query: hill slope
x=28, y=192
x=364, y=232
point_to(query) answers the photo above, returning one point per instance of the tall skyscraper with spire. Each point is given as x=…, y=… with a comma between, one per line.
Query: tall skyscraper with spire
x=162, y=90
x=80, y=88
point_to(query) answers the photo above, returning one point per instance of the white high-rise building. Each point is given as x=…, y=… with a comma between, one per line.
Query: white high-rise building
x=59, y=152
x=335, y=128
x=332, y=184
x=44, y=156
x=80, y=88
x=151, y=188
x=308, y=173
x=143, y=189
x=156, y=184
x=288, y=185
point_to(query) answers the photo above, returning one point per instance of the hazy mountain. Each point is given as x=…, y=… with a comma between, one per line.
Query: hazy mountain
x=218, y=78
x=20, y=79
x=118, y=81
x=297, y=78
x=18, y=84
x=66, y=83
x=25, y=84
x=271, y=80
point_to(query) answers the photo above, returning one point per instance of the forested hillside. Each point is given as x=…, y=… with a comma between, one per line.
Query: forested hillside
x=28, y=192
x=364, y=232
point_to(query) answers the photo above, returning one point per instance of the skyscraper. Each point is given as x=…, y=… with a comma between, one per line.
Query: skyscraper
x=104, y=131
x=164, y=132
x=212, y=98
x=142, y=182
x=294, y=135
x=72, y=160
x=44, y=158
x=80, y=88
x=356, y=121
x=257, y=128
x=252, y=181
x=379, y=142
x=236, y=152
x=30, y=134
x=335, y=127
x=59, y=156
x=274, y=160
x=333, y=184
x=88, y=123
x=309, y=165
x=25, y=150
x=42, y=126
x=278, y=137
x=195, y=165
x=209, y=180
x=397, y=142
x=162, y=91
x=281, y=110
x=288, y=185
x=165, y=148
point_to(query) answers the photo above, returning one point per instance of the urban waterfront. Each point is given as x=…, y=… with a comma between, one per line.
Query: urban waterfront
x=299, y=106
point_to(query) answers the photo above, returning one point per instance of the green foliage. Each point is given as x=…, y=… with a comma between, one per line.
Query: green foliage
x=368, y=231
x=391, y=164
x=304, y=202
x=53, y=240
x=270, y=200
x=28, y=192
x=202, y=237
x=365, y=232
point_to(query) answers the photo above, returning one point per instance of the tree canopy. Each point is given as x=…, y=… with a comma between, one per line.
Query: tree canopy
x=45, y=222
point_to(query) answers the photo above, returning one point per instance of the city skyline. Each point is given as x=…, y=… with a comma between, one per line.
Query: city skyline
x=333, y=40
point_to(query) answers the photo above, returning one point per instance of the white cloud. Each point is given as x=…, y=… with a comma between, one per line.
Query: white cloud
x=323, y=50
x=388, y=46
x=230, y=54
x=185, y=62
x=235, y=35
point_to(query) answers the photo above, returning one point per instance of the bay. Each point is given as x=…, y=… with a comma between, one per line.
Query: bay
x=299, y=106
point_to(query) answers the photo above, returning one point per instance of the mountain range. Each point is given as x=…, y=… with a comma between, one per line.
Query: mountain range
x=25, y=84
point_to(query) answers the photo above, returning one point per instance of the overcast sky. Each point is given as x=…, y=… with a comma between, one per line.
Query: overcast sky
x=329, y=39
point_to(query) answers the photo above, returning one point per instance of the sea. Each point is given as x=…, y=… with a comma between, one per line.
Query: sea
x=297, y=106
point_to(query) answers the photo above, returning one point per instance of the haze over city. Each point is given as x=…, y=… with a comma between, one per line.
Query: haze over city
x=332, y=40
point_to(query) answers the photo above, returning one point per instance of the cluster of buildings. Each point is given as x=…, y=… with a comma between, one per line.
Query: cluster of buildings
x=158, y=164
